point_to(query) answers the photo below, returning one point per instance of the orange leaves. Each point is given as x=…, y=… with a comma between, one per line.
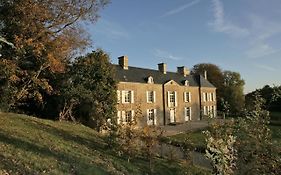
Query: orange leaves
x=56, y=65
x=14, y=78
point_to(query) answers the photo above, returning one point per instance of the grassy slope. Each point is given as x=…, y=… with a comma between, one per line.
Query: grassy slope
x=30, y=145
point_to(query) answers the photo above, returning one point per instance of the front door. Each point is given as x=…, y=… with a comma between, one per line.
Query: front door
x=172, y=115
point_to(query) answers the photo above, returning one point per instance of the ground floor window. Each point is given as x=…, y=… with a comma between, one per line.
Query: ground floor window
x=187, y=113
x=209, y=111
x=151, y=117
x=124, y=117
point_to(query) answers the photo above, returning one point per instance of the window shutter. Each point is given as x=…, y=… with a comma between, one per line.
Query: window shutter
x=123, y=96
x=132, y=96
x=133, y=115
x=169, y=104
x=147, y=116
x=154, y=96
x=185, y=114
x=155, y=117
x=118, y=96
x=204, y=96
x=118, y=117
x=215, y=111
x=184, y=97
x=147, y=93
x=123, y=117
x=176, y=99
x=190, y=113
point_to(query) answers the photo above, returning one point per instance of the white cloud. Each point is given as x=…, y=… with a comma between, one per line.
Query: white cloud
x=221, y=25
x=266, y=68
x=111, y=30
x=162, y=54
x=262, y=31
x=180, y=8
x=259, y=50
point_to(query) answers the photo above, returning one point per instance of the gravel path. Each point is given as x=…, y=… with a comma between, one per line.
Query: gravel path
x=182, y=128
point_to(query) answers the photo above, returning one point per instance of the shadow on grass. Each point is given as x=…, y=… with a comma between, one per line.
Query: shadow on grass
x=62, y=157
x=91, y=141
x=10, y=165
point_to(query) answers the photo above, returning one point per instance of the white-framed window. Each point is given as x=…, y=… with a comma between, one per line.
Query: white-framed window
x=186, y=83
x=125, y=116
x=172, y=98
x=127, y=96
x=128, y=116
x=187, y=97
x=150, y=96
x=204, y=97
x=205, y=112
x=213, y=96
x=151, y=116
x=118, y=96
x=150, y=80
x=187, y=113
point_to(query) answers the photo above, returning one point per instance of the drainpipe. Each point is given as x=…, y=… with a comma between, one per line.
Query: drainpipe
x=200, y=103
x=164, y=108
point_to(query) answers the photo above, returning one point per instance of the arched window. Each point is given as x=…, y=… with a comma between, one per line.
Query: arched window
x=186, y=83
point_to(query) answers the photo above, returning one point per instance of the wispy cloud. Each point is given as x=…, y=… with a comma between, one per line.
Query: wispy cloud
x=165, y=55
x=259, y=50
x=219, y=24
x=265, y=67
x=180, y=8
x=262, y=31
x=112, y=30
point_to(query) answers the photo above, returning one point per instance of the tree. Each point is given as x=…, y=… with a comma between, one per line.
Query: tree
x=233, y=91
x=91, y=90
x=46, y=35
x=272, y=96
x=244, y=145
x=214, y=75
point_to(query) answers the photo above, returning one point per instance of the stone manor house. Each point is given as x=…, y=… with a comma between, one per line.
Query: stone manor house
x=158, y=97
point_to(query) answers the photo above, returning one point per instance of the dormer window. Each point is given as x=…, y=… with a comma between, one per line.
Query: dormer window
x=186, y=83
x=150, y=80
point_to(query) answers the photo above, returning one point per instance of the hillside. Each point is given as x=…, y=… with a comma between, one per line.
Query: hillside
x=30, y=145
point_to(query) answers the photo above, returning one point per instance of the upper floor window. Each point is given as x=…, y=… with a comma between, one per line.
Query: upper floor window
x=186, y=83
x=187, y=97
x=127, y=96
x=172, y=98
x=150, y=96
x=213, y=97
x=150, y=79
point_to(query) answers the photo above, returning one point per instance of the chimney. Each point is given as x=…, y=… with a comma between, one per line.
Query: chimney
x=162, y=67
x=205, y=74
x=183, y=71
x=123, y=62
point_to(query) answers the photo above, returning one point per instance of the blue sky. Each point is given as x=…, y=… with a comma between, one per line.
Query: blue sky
x=237, y=35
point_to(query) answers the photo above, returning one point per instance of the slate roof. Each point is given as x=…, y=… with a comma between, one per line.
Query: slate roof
x=140, y=75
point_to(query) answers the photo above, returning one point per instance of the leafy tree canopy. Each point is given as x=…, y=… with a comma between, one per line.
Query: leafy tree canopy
x=46, y=35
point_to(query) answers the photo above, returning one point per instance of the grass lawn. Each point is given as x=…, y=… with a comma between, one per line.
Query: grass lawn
x=30, y=145
x=195, y=139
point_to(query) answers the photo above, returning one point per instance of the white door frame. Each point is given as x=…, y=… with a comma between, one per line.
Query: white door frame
x=172, y=115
